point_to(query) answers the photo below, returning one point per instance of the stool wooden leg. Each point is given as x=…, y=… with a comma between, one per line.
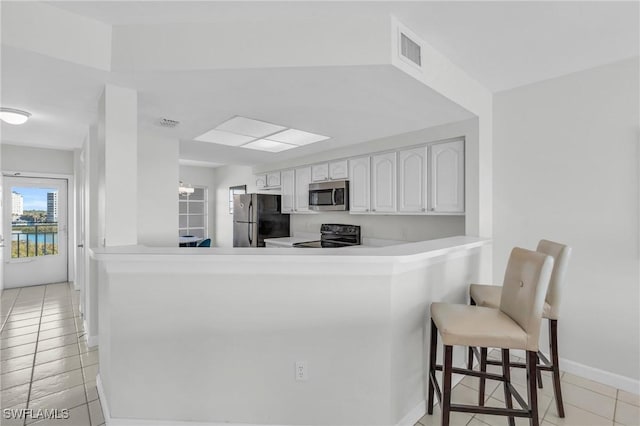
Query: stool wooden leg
x=446, y=385
x=532, y=391
x=432, y=365
x=506, y=372
x=553, y=343
x=470, y=355
x=539, y=374
x=483, y=381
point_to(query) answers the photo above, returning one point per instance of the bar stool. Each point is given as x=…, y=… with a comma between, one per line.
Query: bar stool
x=515, y=325
x=489, y=296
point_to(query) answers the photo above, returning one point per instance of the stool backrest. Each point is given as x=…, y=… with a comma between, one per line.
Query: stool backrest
x=561, y=254
x=526, y=281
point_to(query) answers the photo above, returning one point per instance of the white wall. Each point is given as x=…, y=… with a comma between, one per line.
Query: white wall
x=200, y=176
x=36, y=160
x=566, y=169
x=225, y=177
x=157, y=191
x=121, y=165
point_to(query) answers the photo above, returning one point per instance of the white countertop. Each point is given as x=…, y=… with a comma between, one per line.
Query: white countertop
x=289, y=241
x=430, y=248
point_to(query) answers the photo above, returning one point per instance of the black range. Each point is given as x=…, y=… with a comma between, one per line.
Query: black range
x=334, y=235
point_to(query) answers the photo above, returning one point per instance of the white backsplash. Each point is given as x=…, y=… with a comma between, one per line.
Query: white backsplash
x=379, y=227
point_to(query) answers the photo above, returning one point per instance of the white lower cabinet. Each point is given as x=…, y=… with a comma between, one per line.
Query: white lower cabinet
x=287, y=180
x=412, y=180
x=447, y=177
x=383, y=183
x=359, y=184
x=302, y=180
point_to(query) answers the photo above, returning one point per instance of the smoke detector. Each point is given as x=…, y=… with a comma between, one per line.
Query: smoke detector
x=165, y=122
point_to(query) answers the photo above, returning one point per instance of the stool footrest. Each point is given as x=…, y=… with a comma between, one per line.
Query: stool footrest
x=495, y=411
x=473, y=373
x=519, y=365
x=436, y=386
x=518, y=397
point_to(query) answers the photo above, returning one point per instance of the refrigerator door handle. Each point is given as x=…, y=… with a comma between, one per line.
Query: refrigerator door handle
x=249, y=228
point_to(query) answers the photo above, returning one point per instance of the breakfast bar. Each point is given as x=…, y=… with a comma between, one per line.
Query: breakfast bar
x=209, y=335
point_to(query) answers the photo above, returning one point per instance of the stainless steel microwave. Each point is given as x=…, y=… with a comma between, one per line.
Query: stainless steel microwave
x=329, y=196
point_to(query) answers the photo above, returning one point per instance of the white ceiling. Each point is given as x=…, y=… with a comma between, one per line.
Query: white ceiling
x=501, y=44
x=349, y=104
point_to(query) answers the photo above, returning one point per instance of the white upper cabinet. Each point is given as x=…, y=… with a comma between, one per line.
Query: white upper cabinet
x=412, y=184
x=261, y=181
x=288, y=191
x=339, y=170
x=359, y=184
x=273, y=179
x=320, y=172
x=383, y=183
x=447, y=177
x=302, y=180
x=268, y=180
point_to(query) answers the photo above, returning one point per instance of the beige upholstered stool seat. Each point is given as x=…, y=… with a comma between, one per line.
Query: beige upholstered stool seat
x=461, y=325
x=489, y=296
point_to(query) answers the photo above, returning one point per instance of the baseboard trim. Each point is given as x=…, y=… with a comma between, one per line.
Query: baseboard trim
x=91, y=340
x=597, y=375
x=414, y=415
x=76, y=286
x=410, y=419
x=601, y=376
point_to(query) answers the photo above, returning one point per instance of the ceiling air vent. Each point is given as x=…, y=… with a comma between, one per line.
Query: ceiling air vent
x=410, y=49
x=165, y=122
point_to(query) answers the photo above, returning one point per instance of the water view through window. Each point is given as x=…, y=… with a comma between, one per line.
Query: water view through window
x=34, y=222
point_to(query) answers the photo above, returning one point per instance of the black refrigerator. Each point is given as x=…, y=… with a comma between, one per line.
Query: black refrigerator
x=256, y=217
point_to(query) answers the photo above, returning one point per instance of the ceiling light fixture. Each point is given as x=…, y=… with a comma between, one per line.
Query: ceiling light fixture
x=248, y=133
x=14, y=116
x=268, y=145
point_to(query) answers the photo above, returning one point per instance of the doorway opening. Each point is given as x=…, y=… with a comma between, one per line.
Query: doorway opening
x=36, y=220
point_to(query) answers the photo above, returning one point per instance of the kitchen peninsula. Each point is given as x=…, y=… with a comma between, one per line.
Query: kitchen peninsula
x=209, y=335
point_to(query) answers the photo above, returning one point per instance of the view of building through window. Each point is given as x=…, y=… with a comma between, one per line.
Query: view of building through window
x=34, y=222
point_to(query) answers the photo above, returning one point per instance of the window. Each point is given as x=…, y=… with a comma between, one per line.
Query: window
x=193, y=213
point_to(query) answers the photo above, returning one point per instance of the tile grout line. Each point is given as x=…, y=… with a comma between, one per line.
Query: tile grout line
x=615, y=407
x=15, y=299
x=35, y=352
x=84, y=384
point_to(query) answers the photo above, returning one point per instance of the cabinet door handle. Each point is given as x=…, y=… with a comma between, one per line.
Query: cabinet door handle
x=423, y=209
x=373, y=210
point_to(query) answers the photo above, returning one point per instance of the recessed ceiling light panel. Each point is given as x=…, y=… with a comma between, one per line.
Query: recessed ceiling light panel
x=14, y=116
x=297, y=137
x=249, y=127
x=224, y=138
x=267, y=145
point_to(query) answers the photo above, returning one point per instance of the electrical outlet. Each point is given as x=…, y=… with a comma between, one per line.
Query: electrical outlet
x=301, y=370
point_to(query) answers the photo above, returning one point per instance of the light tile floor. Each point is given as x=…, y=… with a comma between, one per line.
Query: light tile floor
x=45, y=363
x=586, y=403
x=44, y=360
